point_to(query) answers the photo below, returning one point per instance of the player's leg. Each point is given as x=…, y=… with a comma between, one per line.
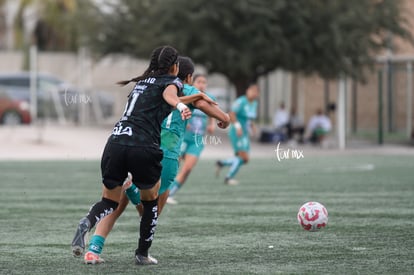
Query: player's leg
x=113, y=174
x=188, y=164
x=241, y=158
x=168, y=174
x=102, y=230
x=241, y=146
x=101, y=209
x=149, y=201
x=234, y=140
x=192, y=154
x=145, y=167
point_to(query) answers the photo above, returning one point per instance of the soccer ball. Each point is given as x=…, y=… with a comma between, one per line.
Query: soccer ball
x=312, y=216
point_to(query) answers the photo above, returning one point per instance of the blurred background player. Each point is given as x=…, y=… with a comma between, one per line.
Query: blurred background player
x=243, y=111
x=193, y=144
x=173, y=129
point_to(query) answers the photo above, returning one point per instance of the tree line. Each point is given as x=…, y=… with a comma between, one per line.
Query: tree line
x=241, y=39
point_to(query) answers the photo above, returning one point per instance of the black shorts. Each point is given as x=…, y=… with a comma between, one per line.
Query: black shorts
x=144, y=163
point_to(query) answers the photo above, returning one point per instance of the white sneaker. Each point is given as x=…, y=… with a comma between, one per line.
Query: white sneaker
x=171, y=200
x=231, y=182
x=142, y=260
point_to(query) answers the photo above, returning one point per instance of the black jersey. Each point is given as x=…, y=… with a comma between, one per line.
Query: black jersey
x=145, y=110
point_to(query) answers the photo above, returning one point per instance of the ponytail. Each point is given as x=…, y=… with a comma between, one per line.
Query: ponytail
x=162, y=58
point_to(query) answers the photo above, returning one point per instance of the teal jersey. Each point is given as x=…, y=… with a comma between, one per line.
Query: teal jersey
x=245, y=111
x=173, y=128
x=197, y=124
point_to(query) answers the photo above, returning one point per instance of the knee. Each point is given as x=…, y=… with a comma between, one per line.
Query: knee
x=150, y=194
x=109, y=203
x=245, y=159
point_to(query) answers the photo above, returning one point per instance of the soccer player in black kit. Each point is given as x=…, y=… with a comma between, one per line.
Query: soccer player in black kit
x=134, y=147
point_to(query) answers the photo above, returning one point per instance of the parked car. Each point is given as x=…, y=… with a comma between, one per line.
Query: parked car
x=12, y=109
x=56, y=97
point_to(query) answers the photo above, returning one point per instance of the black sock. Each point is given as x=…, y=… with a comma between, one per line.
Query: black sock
x=147, y=227
x=100, y=210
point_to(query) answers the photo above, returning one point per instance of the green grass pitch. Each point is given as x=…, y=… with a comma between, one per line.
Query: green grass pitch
x=217, y=229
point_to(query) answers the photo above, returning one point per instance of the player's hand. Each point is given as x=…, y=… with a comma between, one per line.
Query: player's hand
x=184, y=110
x=239, y=130
x=223, y=124
x=185, y=114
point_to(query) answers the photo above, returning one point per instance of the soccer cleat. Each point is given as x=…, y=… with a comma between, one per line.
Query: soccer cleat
x=171, y=200
x=142, y=260
x=231, y=182
x=92, y=258
x=78, y=243
x=219, y=165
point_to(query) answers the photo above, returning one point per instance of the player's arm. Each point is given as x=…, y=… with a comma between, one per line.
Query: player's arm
x=253, y=128
x=170, y=96
x=213, y=111
x=233, y=118
x=236, y=123
x=194, y=97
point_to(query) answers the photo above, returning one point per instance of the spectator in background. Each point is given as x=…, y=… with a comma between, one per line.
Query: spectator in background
x=318, y=127
x=295, y=126
x=280, y=118
x=280, y=124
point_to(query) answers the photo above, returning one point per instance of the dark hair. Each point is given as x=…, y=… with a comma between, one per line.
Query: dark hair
x=162, y=58
x=186, y=67
x=250, y=84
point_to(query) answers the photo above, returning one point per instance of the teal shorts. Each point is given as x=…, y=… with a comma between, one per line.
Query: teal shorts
x=168, y=173
x=240, y=144
x=192, y=147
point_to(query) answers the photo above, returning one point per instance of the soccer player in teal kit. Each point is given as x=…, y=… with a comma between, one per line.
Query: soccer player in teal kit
x=243, y=111
x=193, y=144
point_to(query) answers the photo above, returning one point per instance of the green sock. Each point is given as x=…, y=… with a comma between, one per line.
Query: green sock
x=133, y=194
x=174, y=187
x=96, y=244
x=236, y=163
x=227, y=162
